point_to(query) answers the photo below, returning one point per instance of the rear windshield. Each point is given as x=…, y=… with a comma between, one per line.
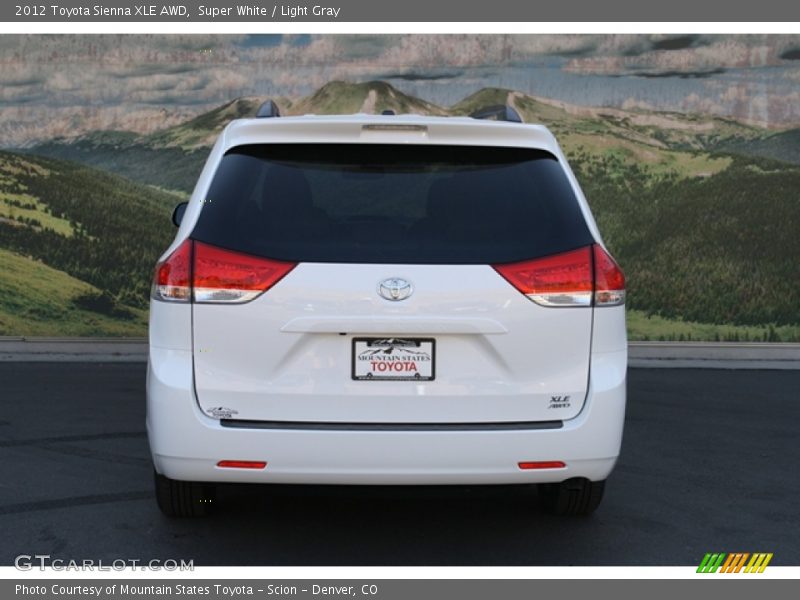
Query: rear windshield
x=359, y=203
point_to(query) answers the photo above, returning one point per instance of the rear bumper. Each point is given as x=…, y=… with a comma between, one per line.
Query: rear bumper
x=186, y=444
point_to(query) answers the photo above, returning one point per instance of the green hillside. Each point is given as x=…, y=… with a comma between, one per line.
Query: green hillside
x=719, y=249
x=37, y=300
x=653, y=328
x=372, y=97
x=133, y=157
x=94, y=226
x=531, y=110
x=784, y=146
x=574, y=125
x=201, y=132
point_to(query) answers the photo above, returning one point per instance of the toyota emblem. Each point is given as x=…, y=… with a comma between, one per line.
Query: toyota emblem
x=395, y=289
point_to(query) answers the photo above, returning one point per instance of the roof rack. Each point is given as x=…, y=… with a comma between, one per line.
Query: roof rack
x=498, y=112
x=268, y=110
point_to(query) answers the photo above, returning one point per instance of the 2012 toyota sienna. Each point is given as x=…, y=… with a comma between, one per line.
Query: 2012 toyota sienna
x=386, y=300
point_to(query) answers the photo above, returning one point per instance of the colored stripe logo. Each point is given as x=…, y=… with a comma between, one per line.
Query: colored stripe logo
x=735, y=562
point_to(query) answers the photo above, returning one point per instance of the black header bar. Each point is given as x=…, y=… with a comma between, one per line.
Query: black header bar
x=455, y=11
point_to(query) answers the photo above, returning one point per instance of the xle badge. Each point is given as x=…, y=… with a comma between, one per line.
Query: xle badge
x=559, y=402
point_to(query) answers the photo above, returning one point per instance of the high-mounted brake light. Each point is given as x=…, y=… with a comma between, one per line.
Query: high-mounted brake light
x=579, y=277
x=204, y=273
x=393, y=127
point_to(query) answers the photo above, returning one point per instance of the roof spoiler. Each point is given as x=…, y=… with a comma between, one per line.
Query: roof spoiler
x=498, y=112
x=268, y=110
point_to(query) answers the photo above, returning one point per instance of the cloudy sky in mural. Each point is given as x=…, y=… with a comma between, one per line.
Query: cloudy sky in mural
x=67, y=84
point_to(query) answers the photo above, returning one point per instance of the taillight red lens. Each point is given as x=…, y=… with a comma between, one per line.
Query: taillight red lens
x=226, y=276
x=574, y=278
x=559, y=280
x=214, y=274
x=172, y=281
x=609, y=281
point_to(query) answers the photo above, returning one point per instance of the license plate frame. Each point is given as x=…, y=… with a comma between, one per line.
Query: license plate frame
x=408, y=352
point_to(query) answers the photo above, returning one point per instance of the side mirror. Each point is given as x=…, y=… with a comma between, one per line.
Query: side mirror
x=177, y=214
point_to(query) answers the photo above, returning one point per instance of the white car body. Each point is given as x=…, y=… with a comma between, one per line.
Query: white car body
x=516, y=382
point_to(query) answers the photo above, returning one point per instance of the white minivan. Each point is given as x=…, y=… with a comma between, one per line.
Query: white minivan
x=386, y=300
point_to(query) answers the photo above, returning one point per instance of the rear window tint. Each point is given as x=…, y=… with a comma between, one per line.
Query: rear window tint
x=360, y=203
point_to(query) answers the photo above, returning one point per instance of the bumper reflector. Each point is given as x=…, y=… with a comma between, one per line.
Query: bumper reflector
x=242, y=464
x=542, y=464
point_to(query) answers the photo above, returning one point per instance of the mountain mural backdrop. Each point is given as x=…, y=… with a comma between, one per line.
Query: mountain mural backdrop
x=688, y=149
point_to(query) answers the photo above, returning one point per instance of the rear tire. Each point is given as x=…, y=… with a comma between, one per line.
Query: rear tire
x=573, y=497
x=183, y=498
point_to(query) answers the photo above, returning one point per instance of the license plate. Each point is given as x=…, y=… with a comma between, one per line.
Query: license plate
x=397, y=359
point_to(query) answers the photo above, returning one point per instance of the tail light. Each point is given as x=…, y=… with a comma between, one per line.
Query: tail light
x=579, y=277
x=206, y=273
x=226, y=276
x=609, y=280
x=559, y=280
x=173, y=278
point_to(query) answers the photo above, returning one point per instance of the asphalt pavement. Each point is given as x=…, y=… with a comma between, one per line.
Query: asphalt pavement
x=709, y=463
